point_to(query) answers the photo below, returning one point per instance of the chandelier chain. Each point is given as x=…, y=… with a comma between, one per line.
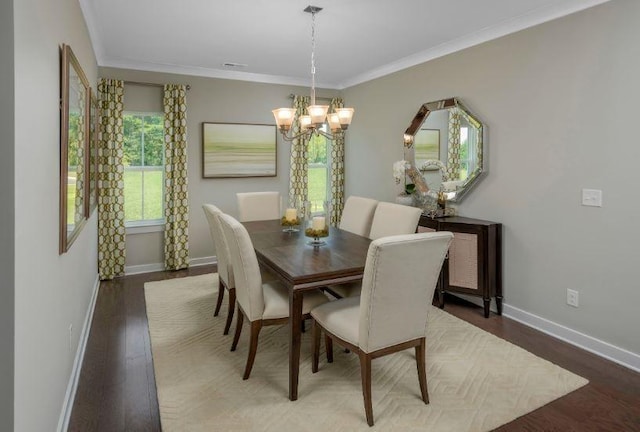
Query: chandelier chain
x=313, y=57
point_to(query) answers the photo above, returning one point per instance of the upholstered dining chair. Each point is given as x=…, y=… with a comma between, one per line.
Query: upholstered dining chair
x=357, y=215
x=393, y=219
x=253, y=206
x=388, y=219
x=384, y=320
x=262, y=303
x=225, y=272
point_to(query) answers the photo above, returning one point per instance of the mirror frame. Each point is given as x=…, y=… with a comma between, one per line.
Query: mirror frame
x=69, y=65
x=416, y=125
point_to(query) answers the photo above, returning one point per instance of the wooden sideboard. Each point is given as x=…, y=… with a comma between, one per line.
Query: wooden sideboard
x=474, y=262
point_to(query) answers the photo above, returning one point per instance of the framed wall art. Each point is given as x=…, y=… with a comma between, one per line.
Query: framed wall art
x=427, y=145
x=238, y=150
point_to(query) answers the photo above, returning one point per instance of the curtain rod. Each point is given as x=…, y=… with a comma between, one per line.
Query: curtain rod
x=148, y=84
x=291, y=96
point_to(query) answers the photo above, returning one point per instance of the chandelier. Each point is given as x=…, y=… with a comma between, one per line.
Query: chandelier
x=317, y=115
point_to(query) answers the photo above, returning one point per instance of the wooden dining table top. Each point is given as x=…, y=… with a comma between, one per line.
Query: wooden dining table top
x=299, y=264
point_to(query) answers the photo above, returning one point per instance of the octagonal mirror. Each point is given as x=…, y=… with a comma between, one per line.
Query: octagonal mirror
x=446, y=142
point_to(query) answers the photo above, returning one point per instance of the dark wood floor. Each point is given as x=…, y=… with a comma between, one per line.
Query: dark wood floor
x=116, y=390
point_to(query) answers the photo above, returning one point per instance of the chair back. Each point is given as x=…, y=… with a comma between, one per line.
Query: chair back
x=394, y=219
x=220, y=243
x=254, y=206
x=246, y=271
x=357, y=215
x=399, y=280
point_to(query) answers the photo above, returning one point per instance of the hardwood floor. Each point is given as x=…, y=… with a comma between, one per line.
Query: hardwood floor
x=117, y=390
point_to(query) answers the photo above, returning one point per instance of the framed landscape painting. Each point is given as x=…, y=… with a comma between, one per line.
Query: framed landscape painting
x=238, y=150
x=427, y=145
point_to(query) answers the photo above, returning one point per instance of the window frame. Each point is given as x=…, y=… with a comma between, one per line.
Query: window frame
x=146, y=225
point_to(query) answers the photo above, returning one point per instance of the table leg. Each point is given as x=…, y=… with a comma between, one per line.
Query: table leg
x=295, y=319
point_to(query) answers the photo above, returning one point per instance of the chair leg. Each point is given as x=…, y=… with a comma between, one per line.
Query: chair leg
x=220, y=296
x=232, y=307
x=256, y=326
x=236, y=337
x=422, y=373
x=365, y=373
x=328, y=347
x=315, y=345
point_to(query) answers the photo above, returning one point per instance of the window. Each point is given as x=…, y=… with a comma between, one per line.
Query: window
x=143, y=169
x=318, y=153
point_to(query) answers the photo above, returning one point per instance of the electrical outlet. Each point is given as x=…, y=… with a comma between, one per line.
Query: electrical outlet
x=592, y=197
x=572, y=297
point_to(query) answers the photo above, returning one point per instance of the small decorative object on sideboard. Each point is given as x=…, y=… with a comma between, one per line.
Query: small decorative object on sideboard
x=474, y=263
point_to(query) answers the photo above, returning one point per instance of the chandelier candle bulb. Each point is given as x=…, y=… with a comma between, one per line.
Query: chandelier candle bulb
x=318, y=223
x=291, y=214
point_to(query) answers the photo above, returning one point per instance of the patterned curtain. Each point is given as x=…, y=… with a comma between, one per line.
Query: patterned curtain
x=176, y=204
x=111, y=232
x=299, y=164
x=453, y=157
x=337, y=170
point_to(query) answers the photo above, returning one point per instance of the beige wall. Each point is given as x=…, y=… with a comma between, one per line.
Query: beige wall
x=211, y=100
x=52, y=292
x=560, y=102
x=7, y=221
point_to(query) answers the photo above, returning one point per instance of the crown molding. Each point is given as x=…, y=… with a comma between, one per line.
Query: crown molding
x=533, y=18
x=211, y=73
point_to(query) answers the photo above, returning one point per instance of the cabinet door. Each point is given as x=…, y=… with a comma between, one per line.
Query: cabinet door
x=463, y=261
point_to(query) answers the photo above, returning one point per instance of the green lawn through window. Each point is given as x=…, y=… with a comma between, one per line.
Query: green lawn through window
x=153, y=202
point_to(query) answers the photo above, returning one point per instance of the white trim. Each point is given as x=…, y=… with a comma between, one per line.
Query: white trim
x=530, y=19
x=515, y=24
x=155, y=267
x=603, y=349
x=196, y=262
x=72, y=386
x=144, y=229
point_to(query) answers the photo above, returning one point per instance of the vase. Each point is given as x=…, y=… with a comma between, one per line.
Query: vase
x=405, y=199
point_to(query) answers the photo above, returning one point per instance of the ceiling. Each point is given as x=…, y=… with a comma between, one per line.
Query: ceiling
x=356, y=40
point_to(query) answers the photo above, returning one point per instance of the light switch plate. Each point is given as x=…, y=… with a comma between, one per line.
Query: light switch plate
x=592, y=197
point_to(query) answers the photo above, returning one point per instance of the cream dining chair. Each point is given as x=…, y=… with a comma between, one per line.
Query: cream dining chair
x=225, y=272
x=380, y=321
x=254, y=206
x=357, y=215
x=262, y=303
x=388, y=219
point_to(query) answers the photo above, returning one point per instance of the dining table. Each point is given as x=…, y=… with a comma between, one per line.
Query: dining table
x=303, y=267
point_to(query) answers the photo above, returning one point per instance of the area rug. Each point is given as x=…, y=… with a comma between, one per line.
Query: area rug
x=476, y=381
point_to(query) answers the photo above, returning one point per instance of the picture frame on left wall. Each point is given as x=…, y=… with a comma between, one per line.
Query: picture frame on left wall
x=239, y=150
x=74, y=131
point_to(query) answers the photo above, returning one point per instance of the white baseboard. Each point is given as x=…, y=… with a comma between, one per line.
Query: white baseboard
x=603, y=349
x=155, y=267
x=72, y=386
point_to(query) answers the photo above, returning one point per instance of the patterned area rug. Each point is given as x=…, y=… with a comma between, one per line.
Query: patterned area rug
x=476, y=381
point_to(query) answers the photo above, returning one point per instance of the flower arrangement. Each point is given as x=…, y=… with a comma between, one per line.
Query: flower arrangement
x=400, y=175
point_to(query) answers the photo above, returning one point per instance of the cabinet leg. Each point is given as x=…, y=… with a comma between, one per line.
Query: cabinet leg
x=487, y=304
x=499, y=304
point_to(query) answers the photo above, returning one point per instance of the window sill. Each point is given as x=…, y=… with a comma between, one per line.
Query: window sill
x=144, y=229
